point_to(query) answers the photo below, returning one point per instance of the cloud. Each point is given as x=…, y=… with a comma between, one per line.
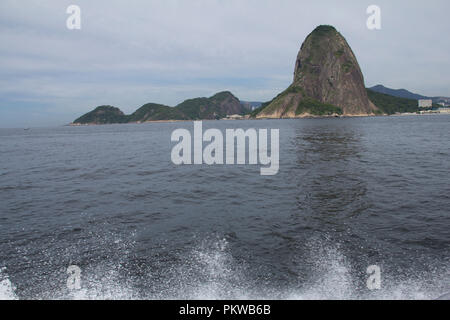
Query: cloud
x=132, y=52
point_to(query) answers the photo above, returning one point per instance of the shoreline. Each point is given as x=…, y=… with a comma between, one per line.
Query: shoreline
x=308, y=116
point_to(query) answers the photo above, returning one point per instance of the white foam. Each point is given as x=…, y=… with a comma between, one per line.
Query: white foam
x=210, y=272
x=7, y=289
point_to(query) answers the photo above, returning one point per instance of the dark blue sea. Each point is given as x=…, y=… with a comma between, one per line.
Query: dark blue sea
x=350, y=193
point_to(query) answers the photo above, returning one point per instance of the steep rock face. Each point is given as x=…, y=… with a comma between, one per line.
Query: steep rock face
x=327, y=80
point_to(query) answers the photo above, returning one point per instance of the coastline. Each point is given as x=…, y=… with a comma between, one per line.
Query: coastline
x=303, y=116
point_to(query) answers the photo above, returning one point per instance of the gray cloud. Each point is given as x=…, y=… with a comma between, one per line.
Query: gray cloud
x=132, y=52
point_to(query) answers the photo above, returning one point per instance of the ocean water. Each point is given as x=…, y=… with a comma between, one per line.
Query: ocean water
x=350, y=193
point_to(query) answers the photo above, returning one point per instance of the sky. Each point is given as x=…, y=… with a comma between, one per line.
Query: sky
x=128, y=53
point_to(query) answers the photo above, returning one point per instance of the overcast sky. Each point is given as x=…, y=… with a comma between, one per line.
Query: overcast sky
x=131, y=52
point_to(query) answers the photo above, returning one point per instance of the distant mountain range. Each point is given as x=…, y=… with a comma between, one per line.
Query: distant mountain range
x=224, y=103
x=218, y=106
x=403, y=93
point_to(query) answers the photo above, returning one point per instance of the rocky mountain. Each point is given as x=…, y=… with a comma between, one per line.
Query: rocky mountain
x=218, y=106
x=327, y=81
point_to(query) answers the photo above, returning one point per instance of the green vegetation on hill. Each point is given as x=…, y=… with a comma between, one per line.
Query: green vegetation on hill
x=306, y=104
x=317, y=54
x=199, y=108
x=386, y=104
x=153, y=111
x=323, y=30
x=389, y=104
x=221, y=96
x=314, y=107
x=273, y=103
x=225, y=103
x=103, y=115
x=255, y=112
x=216, y=107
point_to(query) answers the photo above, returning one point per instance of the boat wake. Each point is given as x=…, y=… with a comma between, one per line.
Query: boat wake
x=210, y=272
x=6, y=287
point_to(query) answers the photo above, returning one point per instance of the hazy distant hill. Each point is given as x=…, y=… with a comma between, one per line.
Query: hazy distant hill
x=403, y=93
x=400, y=93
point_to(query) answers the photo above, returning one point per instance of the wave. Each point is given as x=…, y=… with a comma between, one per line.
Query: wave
x=7, y=289
x=209, y=271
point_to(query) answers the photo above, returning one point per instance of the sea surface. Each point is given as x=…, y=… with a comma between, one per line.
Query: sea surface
x=350, y=193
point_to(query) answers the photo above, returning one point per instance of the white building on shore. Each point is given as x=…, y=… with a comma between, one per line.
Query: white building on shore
x=425, y=103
